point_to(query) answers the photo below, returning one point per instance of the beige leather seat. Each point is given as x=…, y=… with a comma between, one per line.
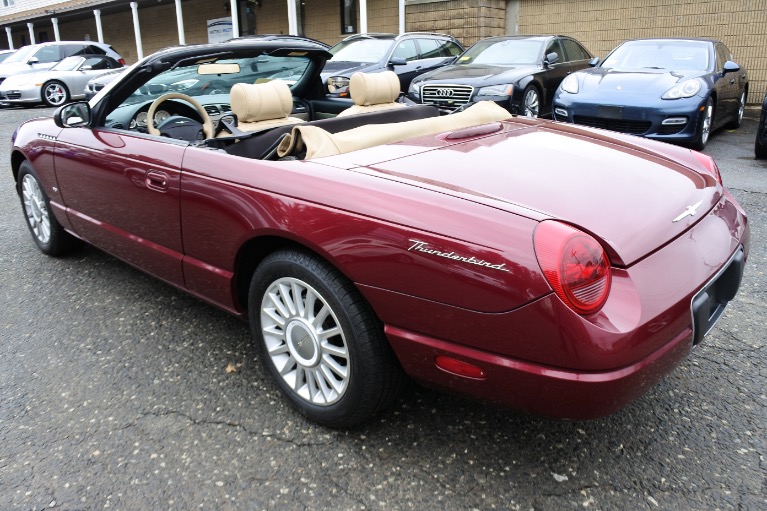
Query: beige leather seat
x=262, y=105
x=373, y=92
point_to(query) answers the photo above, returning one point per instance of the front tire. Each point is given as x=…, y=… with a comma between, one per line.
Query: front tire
x=760, y=146
x=531, y=102
x=49, y=235
x=55, y=93
x=704, y=127
x=320, y=340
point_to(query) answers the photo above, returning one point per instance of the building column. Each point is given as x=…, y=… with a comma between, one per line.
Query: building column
x=235, y=19
x=401, y=16
x=292, y=18
x=10, y=38
x=363, y=16
x=180, y=23
x=99, y=31
x=137, y=30
x=55, y=22
x=31, y=28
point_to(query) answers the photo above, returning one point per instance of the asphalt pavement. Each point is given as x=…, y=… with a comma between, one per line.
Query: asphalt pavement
x=120, y=392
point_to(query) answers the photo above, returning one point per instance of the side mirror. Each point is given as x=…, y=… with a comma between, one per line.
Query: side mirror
x=73, y=115
x=397, y=61
x=730, y=67
x=550, y=59
x=593, y=62
x=33, y=60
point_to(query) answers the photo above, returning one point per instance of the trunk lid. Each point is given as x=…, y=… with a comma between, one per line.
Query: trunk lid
x=634, y=194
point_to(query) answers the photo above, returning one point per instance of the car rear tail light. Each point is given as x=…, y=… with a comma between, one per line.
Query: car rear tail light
x=121, y=61
x=710, y=165
x=574, y=264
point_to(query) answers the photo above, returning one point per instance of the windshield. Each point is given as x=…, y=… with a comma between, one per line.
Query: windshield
x=22, y=55
x=660, y=54
x=509, y=52
x=217, y=77
x=361, y=50
x=68, y=64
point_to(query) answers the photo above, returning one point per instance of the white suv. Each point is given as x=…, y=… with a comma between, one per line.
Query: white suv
x=39, y=57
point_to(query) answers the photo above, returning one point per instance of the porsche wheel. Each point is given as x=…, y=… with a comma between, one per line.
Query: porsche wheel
x=531, y=106
x=55, y=94
x=704, y=128
x=738, y=120
x=48, y=234
x=320, y=341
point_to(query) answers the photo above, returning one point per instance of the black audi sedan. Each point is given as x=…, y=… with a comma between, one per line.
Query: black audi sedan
x=520, y=73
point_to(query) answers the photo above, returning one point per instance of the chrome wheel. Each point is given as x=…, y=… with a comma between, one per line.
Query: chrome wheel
x=305, y=341
x=36, y=209
x=741, y=108
x=55, y=94
x=705, y=125
x=531, y=103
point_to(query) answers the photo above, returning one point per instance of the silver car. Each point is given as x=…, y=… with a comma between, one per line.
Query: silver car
x=63, y=82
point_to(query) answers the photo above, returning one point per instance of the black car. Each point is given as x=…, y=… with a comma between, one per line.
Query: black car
x=409, y=55
x=520, y=73
x=760, y=146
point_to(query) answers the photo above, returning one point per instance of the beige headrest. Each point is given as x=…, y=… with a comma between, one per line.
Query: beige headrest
x=262, y=101
x=374, y=88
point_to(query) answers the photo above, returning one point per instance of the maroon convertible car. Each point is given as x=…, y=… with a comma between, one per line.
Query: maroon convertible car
x=558, y=269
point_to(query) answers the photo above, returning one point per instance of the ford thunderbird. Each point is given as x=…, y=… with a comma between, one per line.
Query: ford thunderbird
x=557, y=269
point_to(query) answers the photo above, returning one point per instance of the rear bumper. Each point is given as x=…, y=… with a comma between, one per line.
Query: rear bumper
x=560, y=392
x=538, y=389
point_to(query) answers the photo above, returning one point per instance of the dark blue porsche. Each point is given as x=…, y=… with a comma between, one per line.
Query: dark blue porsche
x=675, y=90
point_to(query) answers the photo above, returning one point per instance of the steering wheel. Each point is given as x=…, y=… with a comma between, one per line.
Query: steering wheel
x=207, y=123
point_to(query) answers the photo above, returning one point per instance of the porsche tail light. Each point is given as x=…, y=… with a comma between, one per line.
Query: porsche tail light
x=710, y=165
x=574, y=264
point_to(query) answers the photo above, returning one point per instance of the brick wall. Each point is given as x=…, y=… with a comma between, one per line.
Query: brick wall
x=602, y=24
x=467, y=20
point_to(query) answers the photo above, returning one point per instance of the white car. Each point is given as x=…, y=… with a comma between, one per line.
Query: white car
x=43, y=56
x=63, y=82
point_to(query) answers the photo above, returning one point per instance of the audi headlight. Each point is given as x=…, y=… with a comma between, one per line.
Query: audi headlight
x=338, y=84
x=414, y=89
x=570, y=84
x=685, y=89
x=504, y=89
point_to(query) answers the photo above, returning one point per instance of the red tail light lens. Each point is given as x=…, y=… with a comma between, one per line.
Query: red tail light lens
x=121, y=61
x=574, y=264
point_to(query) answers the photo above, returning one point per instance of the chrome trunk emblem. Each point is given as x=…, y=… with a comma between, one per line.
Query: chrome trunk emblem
x=690, y=211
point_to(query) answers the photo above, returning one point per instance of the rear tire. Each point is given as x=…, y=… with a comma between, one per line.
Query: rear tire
x=320, y=340
x=48, y=234
x=735, y=123
x=55, y=93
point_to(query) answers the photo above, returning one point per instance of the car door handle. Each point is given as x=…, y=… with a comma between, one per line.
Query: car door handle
x=157, y=181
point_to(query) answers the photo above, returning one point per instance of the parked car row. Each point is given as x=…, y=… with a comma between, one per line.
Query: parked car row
x=55, y=72
x=669, y=89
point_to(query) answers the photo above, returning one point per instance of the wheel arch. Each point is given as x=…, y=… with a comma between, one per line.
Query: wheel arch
x=256, y=249
x=17, y=158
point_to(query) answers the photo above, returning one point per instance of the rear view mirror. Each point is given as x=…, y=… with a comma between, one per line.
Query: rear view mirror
x=593, y=62
x=730, y=67
x=397, y=61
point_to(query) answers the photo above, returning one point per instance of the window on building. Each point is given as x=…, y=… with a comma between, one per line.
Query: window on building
x=8, y=3
x=348, y=16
